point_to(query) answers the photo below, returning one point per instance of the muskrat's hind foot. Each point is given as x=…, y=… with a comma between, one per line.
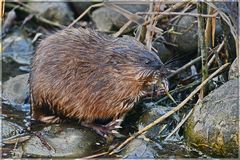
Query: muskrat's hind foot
x=105, y=130
x=49, y=119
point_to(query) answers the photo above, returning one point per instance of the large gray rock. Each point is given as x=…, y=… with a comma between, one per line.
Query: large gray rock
x=185, y=36
x=9, y=130
x=164, y=53
x=234, y=70
x=140, y=148
x=55, y=11
x=63, y=141
x=15, y=90
x=213, y=127
x=80, y=6
x=18, y=47
x=106, y=19
x=151, y=113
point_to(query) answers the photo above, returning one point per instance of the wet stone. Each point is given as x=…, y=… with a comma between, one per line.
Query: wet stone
x=63, y=141
x=151, y=113
x=9, y=130
x=58, y=12
x=140, y=148
x=213, y=128
x=184, y=38
x=15, y=90
x=233, y=71
x=17, y=47
x=164, y=53
x=106, y=19
x=80, y=7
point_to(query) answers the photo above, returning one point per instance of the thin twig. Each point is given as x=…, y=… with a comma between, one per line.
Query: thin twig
x=148, y=37
x=229, y=23
x=95, y=155
x=38, y=17
x=177, y=13
x=171, y=9
x=175, y=109
x=216, y=54
x=122, y=29
x=202, y=46
x=183, y=11
x=129, y=15
x=208, y=30
x=85, y=12
x=185, y=67
x=2, y=7
x=179, y=125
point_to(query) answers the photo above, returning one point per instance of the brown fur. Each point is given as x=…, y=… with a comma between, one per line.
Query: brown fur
x=81, y=74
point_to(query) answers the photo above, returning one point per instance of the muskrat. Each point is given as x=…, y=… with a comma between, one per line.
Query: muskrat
x=81, y=74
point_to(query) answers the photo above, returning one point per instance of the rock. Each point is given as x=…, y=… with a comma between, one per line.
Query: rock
x=140, y=148
x=233, y=71
x=186, y=38
x=10, y=69
x=231, y=9
x=106, y=19
x=9, y=21
x=64, y=141
x=151, y=113
x=9, y=130
x=58, y=12
x=163, y=52
x=143, y=148
x=213, y=128
x=18, y=47
x=80, y=7
x=102, y=19
x=15, y=90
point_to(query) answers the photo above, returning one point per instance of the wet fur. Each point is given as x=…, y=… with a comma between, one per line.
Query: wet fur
x=82, y=74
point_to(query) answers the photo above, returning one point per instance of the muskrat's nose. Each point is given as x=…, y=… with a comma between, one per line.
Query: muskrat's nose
x=157, y=65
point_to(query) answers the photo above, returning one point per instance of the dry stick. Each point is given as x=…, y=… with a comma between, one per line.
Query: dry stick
x=228, y=21
x=181, y=13
x=214, y=25
x=148, y=37
x=175, y=109
x=156, y=29
x=38, y=17
x=2, y=7
x=129, y=15
x=120, y=31
x=25, y=5
x=216, y=53
x=173, y=8
x=95, y=155
x=85, y=12
x=153, y=26
x=179, y=125
x=185, y=67
x=124, y=27
x=142, y=30
x=202, y=46
x=208, y=30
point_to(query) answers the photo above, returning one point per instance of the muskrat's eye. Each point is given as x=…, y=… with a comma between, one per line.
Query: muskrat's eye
x=147, y=61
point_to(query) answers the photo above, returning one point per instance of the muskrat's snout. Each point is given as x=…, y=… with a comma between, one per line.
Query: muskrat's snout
x=156, y=64
x=161, y=75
